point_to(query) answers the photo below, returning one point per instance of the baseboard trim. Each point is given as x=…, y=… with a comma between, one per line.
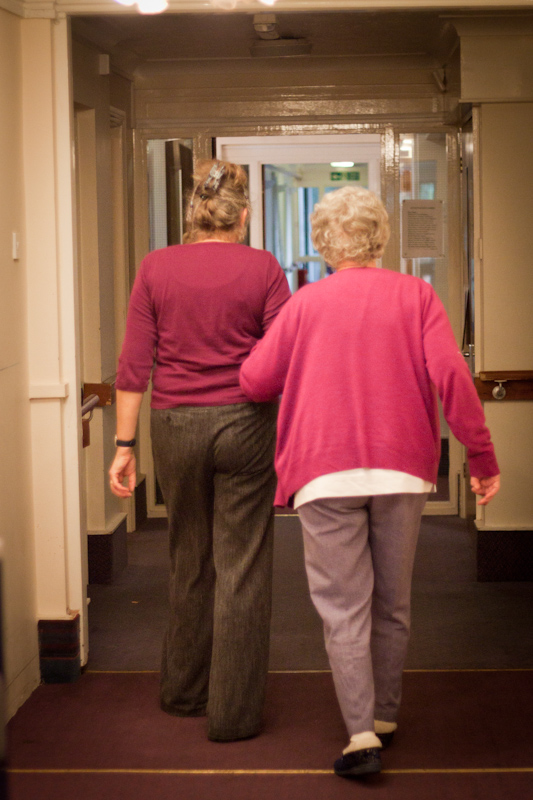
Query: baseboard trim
x=108, y=552
x=505, y=555
x=59, y=649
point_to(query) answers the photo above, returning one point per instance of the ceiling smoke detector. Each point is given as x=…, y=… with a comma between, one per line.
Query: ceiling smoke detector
x=270, y=44
x=266, y=26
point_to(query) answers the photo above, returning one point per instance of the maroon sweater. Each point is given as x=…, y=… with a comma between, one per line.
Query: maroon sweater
x=359, y=358
x=195, y=313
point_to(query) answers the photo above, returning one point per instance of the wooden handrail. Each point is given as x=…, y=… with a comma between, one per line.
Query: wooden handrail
x=104, y=391
x=507, y=375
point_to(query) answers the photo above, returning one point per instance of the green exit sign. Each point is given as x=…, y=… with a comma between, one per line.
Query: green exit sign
x=345, y=176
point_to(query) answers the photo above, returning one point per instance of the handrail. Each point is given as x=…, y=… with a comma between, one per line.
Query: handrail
x=89, y=403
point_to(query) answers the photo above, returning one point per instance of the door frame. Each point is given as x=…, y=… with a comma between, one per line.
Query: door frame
x=318, y=149
x=204, y=146
x=255, y=151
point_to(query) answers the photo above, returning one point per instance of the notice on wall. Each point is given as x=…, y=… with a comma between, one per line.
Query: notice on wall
x=422, y=229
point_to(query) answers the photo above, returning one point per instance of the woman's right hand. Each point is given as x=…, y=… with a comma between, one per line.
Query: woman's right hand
x=124, y=467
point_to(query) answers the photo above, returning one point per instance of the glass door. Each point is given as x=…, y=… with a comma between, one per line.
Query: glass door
x=289, y=174
x=290, y=192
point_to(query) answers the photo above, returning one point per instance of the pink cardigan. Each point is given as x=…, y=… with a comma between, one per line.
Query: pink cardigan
x=359, y=358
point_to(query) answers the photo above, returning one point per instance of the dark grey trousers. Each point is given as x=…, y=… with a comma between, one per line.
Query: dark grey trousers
x=215, y=468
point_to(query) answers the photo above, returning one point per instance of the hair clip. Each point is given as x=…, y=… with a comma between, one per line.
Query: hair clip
x=215, y=176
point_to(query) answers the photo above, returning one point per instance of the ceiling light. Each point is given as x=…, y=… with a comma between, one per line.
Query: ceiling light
x=146, y=6
x=152, y=6
x=342, y=164
x=229, y=5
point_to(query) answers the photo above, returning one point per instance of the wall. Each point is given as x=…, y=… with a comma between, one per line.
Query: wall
x=246, y=92
x=497, y=76
x=16, y=520
x=95, y=94
x=506, y=290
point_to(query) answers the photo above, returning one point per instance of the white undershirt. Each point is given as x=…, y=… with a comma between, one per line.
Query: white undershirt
x=361, y=483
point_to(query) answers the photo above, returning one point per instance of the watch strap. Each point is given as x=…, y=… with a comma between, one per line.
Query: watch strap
x=125, y=442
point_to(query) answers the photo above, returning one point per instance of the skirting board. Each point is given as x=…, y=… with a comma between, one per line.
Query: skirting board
x=504, y=555
x=108, y=553
x=59, y=650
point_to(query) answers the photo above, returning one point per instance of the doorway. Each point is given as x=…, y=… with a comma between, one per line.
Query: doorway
x=289, y=174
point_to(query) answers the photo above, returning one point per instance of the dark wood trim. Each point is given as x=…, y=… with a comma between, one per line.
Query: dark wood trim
x=514, y=389
x=505, y=555
x=509, y=375
x=105, y=392
x=107, y=554
x=59, y=649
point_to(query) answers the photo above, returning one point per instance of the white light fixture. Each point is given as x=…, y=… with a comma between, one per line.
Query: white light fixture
x=152, y=6
x=157, y=6
x=229, y=5
x=146, y=6
x=342, y=164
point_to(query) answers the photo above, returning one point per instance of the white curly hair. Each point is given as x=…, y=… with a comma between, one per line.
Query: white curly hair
x=350, y=224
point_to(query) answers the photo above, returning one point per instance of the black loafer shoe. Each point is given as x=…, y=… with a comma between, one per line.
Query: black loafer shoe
x=385, y=739
x=360, y=762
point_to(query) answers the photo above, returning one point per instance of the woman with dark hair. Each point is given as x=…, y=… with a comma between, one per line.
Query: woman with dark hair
x=360, y=358
x=196, y=311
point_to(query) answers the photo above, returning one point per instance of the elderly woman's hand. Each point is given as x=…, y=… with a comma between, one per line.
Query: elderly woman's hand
x=124, y=466
x=486, y=487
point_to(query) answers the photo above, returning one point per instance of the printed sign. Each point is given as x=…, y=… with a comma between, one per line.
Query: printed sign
x=422, y=229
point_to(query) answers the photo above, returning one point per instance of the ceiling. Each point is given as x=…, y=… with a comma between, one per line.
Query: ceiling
x=170, y=37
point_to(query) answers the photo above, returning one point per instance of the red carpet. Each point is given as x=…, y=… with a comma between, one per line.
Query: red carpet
x=462, y=735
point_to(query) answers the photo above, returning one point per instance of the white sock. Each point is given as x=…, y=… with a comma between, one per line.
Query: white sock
x=384, y=727
x=362, y=741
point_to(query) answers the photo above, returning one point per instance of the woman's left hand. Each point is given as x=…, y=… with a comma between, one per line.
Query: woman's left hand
x=124, y=467
x=486, y=488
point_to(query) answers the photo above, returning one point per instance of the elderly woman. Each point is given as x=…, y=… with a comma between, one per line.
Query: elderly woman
x=359, y=358
x=196, y=311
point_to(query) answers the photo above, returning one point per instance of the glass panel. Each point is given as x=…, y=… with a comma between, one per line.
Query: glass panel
x=424, y=176
x=290, y=194
x=170, y=168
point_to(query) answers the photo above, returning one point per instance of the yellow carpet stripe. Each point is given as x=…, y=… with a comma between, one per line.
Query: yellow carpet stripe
x=110, y=771
x=309, y=671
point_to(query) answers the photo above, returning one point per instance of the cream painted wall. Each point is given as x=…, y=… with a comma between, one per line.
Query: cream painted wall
x=507, y=233
x=19, y=602
x=94, y=95
x=505, y=297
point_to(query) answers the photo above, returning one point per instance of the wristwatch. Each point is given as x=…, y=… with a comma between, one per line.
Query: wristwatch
x=124, y=442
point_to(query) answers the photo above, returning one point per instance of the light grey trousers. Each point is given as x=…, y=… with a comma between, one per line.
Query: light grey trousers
x=359, y=555
x=215, y=468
